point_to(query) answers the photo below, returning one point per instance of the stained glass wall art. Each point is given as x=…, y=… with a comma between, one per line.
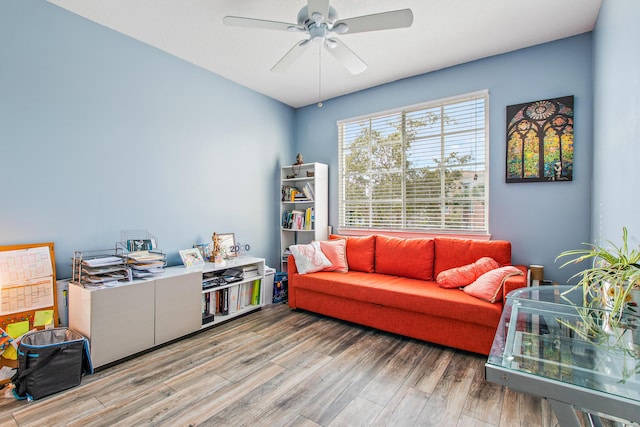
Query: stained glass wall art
x=540, y=141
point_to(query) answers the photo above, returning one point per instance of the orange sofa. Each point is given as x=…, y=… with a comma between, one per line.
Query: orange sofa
x=391, y=285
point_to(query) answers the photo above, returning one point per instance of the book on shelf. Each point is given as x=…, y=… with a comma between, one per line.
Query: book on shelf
x=246, y=291
x=250, y=274
x=233, y=298
x=224, y=301
x=249, y=270
x=208, y=312
x=286, y=193
x=309, y=191
x=255, y=292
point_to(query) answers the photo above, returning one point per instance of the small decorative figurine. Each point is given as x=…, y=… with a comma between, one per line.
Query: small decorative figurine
x=299, y=161
x=216, y=253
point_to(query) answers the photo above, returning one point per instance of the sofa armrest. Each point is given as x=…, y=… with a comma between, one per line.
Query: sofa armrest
x=292, y=272
x=515, y=282
x=292, y=268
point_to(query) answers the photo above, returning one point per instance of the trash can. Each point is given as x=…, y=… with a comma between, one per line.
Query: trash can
x=50, y=361
x=268, y=284
x=280, y=285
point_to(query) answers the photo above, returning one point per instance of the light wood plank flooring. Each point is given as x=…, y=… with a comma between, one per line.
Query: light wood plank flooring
x=279, y=367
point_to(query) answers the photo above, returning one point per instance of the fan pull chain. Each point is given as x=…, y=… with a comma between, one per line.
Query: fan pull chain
x=319, y=75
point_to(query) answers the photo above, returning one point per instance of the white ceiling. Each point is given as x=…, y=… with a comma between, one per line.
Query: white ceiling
x=444, y=33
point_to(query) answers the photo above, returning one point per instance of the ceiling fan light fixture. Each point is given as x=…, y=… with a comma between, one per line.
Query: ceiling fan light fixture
x=330, y=43
x=317, y=17
x=340, y=28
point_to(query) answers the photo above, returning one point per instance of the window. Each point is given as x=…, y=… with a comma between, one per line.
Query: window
x=422, y=168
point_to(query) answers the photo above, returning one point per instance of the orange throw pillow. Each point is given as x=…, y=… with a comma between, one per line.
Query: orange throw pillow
x=336, y=252
x=488, y=287
x=360, y=252
x=459, y=277
x=405, y=257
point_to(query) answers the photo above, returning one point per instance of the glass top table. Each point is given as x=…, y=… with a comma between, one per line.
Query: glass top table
x=549, y=345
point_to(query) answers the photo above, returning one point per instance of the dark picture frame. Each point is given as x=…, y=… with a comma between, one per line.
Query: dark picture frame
x=540, y=141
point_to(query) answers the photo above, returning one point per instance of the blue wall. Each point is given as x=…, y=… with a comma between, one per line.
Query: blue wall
x=540, y=219
x=616, y=123
x=101, y=133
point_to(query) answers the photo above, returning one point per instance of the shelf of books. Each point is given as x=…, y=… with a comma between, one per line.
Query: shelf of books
x=304, y=210
x=231, y=289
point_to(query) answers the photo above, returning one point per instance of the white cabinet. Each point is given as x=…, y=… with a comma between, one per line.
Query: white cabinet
x=118, y=321
x=132, y=317
x=304, y=218
x=177, y=305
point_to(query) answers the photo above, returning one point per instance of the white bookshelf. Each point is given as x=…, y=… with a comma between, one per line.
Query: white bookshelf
x=315, y=175
x=239, y=308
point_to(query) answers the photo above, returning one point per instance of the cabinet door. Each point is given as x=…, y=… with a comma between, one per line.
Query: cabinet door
x=121, y=321
x=178, y=306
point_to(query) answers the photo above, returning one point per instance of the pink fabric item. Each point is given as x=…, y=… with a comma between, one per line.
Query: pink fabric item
x=309, y=258
x=336, y=252
x=488, y=286
x=462, y=276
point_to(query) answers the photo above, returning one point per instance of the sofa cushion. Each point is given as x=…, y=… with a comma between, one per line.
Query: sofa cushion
x=360, y=252
x=488, y=287
x=412, y=258
x=403, y=293
x=309, y=258
x=336, y=252
x=452, y=252
x=459, y=277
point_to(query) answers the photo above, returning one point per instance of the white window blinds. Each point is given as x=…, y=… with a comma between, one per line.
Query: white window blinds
x=421, y=168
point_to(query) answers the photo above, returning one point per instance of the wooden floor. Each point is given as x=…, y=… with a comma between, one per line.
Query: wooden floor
x=278, y=367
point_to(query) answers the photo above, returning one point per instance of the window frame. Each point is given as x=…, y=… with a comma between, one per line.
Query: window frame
x=404, y=230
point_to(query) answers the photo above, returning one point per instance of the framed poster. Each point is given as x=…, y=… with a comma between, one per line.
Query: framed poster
x=540, y=141
x=191, y=257
x=228, y=245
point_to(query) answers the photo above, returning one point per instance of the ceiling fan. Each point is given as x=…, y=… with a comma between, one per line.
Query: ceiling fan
x=320, y=21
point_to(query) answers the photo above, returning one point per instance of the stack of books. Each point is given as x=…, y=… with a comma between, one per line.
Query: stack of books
x=249, y=271
x=298, y=219
x=293, y=194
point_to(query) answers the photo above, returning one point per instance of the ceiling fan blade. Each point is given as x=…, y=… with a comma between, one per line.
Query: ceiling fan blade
x=378, y=21
x=318, y=6
x=238, y=21
x=290, y=57
x=346, y=56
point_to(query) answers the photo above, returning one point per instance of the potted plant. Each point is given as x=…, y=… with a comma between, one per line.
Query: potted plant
x=611, y=288
x=612, y=281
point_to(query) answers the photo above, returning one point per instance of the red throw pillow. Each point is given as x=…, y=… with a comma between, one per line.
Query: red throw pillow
x=405, y=257
x=459, y=277
x=336, y=252
x=360, y=252
x=452, y=252
x=488, y=287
